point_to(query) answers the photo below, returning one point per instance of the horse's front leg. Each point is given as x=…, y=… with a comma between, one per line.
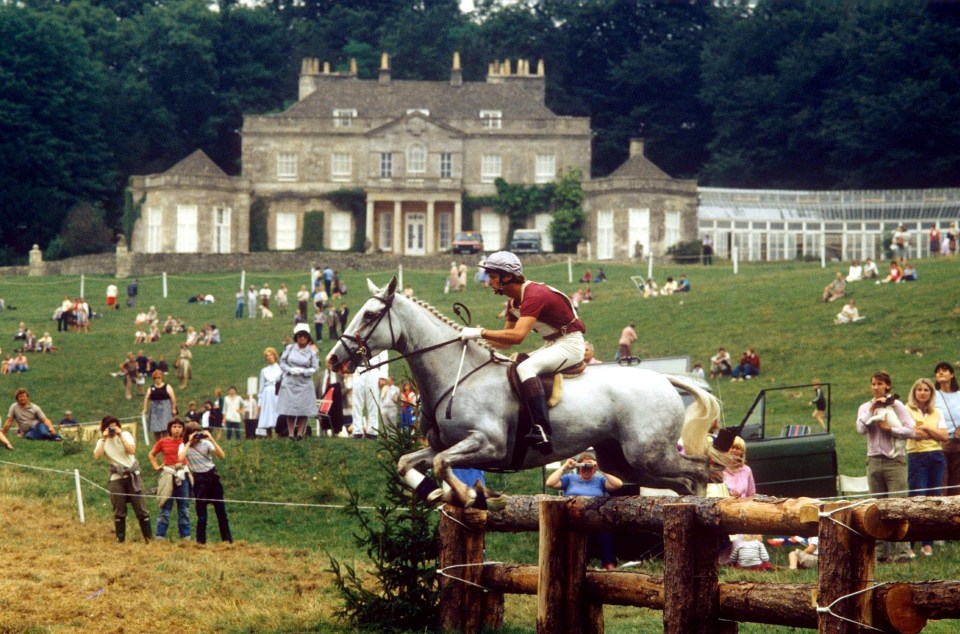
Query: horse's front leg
x=423, y=487
x=475, y=448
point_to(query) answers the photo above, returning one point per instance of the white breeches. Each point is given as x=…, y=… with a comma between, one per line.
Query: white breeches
x=553, y=356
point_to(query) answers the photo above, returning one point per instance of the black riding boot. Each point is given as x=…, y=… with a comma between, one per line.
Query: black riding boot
x=536, y=402
x=120, y=527
x=145, y=528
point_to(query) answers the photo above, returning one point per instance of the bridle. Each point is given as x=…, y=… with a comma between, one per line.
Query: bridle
x=361, y=349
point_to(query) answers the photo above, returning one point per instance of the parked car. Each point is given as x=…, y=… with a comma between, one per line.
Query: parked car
x=526, y=241
x=468, y=242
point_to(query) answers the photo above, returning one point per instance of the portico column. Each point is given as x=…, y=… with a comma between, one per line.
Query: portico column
x=431, y=247
x=398, y=227
x=457, y=219
x=369, y=230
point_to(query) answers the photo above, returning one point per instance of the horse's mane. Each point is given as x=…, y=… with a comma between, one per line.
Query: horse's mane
x=443, y=318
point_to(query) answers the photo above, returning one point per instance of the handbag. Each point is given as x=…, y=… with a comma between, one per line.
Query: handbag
x=276, y=386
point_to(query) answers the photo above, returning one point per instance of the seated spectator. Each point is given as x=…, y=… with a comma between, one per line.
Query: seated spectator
x=894, y=276
x=265, y=313
x=670, y=287
x=45, y=343
x=32, y=423
x=162, y=364
x=588, y=294
x=193, y=337
x=152, y=315
x=151, y=366
x=140, y=319
x=835, y=289
x=600, y=276
x=684, y=285
x=169, y=324
x=855, y=272
x=848, y=314
x=650, y=288
x=6, y=364
x=588, y=481
x=154, y=333
x=698, y=371
x=909, y=273
x=214, y=335
x=140, y=336
x=870, y=270
x=30, y=343
x=748, y=367
x=807, y=558
x=19, y=363
x=21, y=332
x=67, y=420
x=720, y=363
x=589, y=354
x=749, y=553
x=587, y=277
x=577, y=298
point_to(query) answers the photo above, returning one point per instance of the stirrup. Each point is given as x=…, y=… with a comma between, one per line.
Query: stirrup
x=536, y=437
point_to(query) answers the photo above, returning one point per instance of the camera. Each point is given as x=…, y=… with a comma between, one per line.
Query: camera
x=112, y=431
x=588, y=465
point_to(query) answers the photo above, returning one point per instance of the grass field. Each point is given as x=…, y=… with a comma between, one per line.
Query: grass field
x=275, y=573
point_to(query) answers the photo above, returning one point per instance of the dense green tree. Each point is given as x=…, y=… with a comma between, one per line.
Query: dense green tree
x=52, y=150
x=421, y=40
x=83, y=231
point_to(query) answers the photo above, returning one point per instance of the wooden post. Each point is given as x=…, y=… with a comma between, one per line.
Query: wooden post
x=561, y=595
x=464, y=607
x=691, y=592
x=846, y=565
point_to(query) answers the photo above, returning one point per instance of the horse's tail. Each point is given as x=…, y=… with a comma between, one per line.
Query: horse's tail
x=700, y=416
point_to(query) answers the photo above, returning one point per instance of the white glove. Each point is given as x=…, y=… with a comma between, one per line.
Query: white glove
x=470, y=333
x=295, y=372
x=307, y=371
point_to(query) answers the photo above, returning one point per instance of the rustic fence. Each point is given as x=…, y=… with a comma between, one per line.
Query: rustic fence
x=570, y=598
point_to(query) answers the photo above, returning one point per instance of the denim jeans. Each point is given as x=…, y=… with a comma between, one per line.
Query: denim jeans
x=40, y=432
x=181, y=494
x=744, y=370
x=925, y=475
x=233, y=428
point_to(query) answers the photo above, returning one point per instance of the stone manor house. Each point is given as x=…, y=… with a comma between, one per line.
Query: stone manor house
x=416, y=149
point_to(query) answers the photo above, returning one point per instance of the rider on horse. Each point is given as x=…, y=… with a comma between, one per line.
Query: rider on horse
x=544, y=309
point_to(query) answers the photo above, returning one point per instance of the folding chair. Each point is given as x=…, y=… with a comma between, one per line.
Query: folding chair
x=638, y=281
x=323, y=410
x=791, y=431
x=852, y=485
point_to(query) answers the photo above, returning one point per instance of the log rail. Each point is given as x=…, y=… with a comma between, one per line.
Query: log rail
x=570, y=598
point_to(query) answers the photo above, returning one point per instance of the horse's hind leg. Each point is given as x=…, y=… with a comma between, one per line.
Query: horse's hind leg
x=664, y=467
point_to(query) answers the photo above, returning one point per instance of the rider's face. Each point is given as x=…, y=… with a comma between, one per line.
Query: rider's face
x=494, y=279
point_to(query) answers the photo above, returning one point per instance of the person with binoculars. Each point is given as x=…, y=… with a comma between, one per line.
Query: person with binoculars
x=126, y=482
x=588, y=481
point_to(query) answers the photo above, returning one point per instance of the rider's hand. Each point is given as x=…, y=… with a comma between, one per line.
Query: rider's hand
x=470, y=333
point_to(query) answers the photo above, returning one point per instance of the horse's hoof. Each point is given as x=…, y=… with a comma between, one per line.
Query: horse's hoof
x=497, y=503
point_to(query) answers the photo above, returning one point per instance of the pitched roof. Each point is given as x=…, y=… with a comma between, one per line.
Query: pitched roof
x=197, y=164
x=638, y=166
x=520, y=99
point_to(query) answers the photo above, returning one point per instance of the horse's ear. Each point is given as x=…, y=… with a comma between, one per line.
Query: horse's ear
x=373, y=287
x=391, y=287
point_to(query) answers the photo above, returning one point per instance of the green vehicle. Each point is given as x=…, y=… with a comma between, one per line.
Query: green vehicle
x=787, y=450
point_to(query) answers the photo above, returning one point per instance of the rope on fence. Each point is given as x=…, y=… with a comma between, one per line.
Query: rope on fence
x=829, y=609
x=443, y=572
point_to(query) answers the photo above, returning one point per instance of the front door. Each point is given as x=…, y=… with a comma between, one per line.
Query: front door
x=415, y=233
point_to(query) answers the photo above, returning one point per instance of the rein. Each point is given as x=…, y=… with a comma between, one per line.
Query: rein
x=412, y=354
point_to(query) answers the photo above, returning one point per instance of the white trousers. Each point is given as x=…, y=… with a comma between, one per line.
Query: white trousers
x=553, y=356
x=364, y=400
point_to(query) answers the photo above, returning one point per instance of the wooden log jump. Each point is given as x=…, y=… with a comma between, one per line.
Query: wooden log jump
x=570, y=598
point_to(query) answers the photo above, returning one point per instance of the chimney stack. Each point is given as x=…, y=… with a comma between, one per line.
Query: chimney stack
x=456, y=73
x=636, y=147
x=384, y=68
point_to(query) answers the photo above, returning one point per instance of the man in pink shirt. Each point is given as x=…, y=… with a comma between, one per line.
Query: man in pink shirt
x=628, y=336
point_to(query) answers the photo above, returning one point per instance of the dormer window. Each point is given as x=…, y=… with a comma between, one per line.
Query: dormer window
x=343, y=117
x=424, y=111
x=491, y=119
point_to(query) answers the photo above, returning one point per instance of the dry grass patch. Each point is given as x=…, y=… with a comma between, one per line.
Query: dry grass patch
x=59, y=576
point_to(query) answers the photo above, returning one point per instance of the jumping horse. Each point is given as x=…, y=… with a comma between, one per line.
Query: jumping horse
x=632, y=417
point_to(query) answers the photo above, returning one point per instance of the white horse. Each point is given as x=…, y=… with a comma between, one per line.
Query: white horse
x=632, y=417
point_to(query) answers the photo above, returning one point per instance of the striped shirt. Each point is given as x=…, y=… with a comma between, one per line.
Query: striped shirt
x=198, y=457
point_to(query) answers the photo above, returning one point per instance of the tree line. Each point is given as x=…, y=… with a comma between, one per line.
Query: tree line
x=811, y=94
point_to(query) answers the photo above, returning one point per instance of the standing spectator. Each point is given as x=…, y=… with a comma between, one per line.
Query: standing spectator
x=333, y=322
x=364, y=400
x=408, y=406
x=159, y=405
x=328, y=280
x=282, y=299
x=183, y=365
x=453, y=278
x=738, y=476
x=333, y=383
x=925, y=462
x=948, y=402
x=951, y=242
x=112, y=292
x=934, y=241
x=270, y=377
x=265, y=295
x=886, y=462
x=628, y=336
x=193, y=414
x=63, y=317
x=252, y=301
x=32, y=423
x=241, y=300
x=126, y=481
x=297, y=400
x=303, y=297
x=819, y=403
x=212, y=417
x=233, y=412
x=720, y=363
x=707, y=246
x=131, y=373
x=343, y=315
x=588, y=481
x=174, y=481
x=250, y=417
x=81, y=312
x=133, y=289
x=901, y=242
x=198, y=454
x=319, y=319
x=389, y=401
x=748, y=367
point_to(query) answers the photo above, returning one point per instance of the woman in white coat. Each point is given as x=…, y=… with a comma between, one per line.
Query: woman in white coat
x=269, y=376
x=297, y=400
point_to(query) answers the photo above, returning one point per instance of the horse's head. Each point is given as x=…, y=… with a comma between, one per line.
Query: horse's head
x=371, y=331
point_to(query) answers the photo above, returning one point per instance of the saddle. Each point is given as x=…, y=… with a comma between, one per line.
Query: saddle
x=552, y=382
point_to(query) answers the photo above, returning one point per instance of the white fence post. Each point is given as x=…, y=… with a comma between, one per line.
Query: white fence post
x=76, y=478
